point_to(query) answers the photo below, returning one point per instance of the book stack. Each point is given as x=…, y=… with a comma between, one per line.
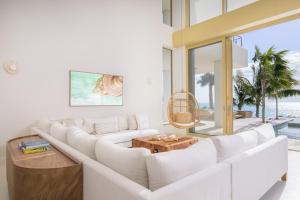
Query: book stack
x=34, y=146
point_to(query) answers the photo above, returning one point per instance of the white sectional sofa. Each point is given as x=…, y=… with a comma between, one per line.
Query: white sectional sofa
x=253, y=172
x=237, y=167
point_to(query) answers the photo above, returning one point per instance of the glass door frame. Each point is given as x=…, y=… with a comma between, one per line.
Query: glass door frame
x=227, y=78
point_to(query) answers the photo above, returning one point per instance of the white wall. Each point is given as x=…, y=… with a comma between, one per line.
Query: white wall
x=179, y=68
x=235, y=4
x=202, y=10
x=47, y=38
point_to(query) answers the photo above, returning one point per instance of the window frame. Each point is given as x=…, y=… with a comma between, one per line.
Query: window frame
x=165, y=121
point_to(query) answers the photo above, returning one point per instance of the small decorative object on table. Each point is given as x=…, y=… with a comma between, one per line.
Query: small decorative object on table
x=164, y=137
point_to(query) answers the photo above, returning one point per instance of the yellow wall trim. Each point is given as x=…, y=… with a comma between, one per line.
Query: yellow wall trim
x=253, y=16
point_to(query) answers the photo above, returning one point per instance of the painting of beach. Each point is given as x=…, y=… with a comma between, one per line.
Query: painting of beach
x=95, y=89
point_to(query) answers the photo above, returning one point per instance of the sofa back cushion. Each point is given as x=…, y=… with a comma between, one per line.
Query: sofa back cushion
x=129, y=162
x=142, y=121
x=132, y=123
x=89, y=126
x=58, y=131
x=106, y=125
x=265, y=132
x=229, y=145
x=167, y=167
x=78, y=122
x=123, y=123
x=44, y=125
x=82, y=141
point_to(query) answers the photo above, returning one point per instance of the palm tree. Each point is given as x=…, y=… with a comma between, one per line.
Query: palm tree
x=253, y=88
x=243, y=91
x=264, y=61
x=282, y=83
x=208, y=79
x=256, y=88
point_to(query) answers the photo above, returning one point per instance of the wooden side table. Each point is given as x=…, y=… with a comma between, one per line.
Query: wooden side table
x=161, y=146
x=49, y=175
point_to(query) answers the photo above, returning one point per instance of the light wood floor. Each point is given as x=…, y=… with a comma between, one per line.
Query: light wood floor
x=291, y=189
x=280, y=191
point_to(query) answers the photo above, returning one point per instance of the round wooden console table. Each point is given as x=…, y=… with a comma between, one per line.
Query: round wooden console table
x=49, y=175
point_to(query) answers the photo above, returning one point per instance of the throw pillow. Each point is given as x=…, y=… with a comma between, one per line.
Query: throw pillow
x=44, y=125
x=123, y=123
x=230, y=145
x=72, y=122
x=130, y=162
x=142, y=121
x=58, y=131
x=132, y=122
x=106, y=125
x=82, y=141
x=265, y=133
x=168, y=167
x=89, y=126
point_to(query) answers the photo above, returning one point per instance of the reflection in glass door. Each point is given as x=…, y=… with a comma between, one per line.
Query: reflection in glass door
x=242, y=80
x=206, y=82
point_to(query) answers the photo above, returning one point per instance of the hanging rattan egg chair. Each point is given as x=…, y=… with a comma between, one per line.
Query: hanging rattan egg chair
x=183, y=110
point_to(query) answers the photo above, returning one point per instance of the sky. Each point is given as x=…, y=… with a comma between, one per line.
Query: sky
x=285, y=36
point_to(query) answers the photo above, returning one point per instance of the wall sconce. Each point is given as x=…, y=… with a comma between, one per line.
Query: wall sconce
x=10, y=67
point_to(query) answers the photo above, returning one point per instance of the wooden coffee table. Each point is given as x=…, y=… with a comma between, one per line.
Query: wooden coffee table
x=161, y=146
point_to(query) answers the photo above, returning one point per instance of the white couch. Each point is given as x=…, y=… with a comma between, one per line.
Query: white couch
x=245, y=172
x=255, y=171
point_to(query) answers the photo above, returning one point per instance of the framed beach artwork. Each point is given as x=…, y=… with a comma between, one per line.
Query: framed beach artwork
x=95, y=89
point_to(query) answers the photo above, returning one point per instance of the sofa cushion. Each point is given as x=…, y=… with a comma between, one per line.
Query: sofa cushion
x=265, y=133
x=229, y=145
x=167, y=167
x=44, y=125
x=58, y=131
x=89, y=126
x=72, y=122
x=132, y=122
x=129, y=162
x=106, y=125
x=142, y=121
x=148, y=132
x=82, y=141
x=122, y=123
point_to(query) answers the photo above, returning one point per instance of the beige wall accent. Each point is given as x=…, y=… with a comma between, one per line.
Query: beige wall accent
x=256, y=15
x=229, y=93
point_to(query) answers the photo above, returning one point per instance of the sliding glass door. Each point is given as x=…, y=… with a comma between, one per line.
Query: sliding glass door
x=207, y=82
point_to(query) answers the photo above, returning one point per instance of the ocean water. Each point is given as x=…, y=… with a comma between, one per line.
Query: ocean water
x=285, y=109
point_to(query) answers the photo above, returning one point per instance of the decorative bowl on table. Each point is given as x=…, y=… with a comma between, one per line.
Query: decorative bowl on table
x=165, y=138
